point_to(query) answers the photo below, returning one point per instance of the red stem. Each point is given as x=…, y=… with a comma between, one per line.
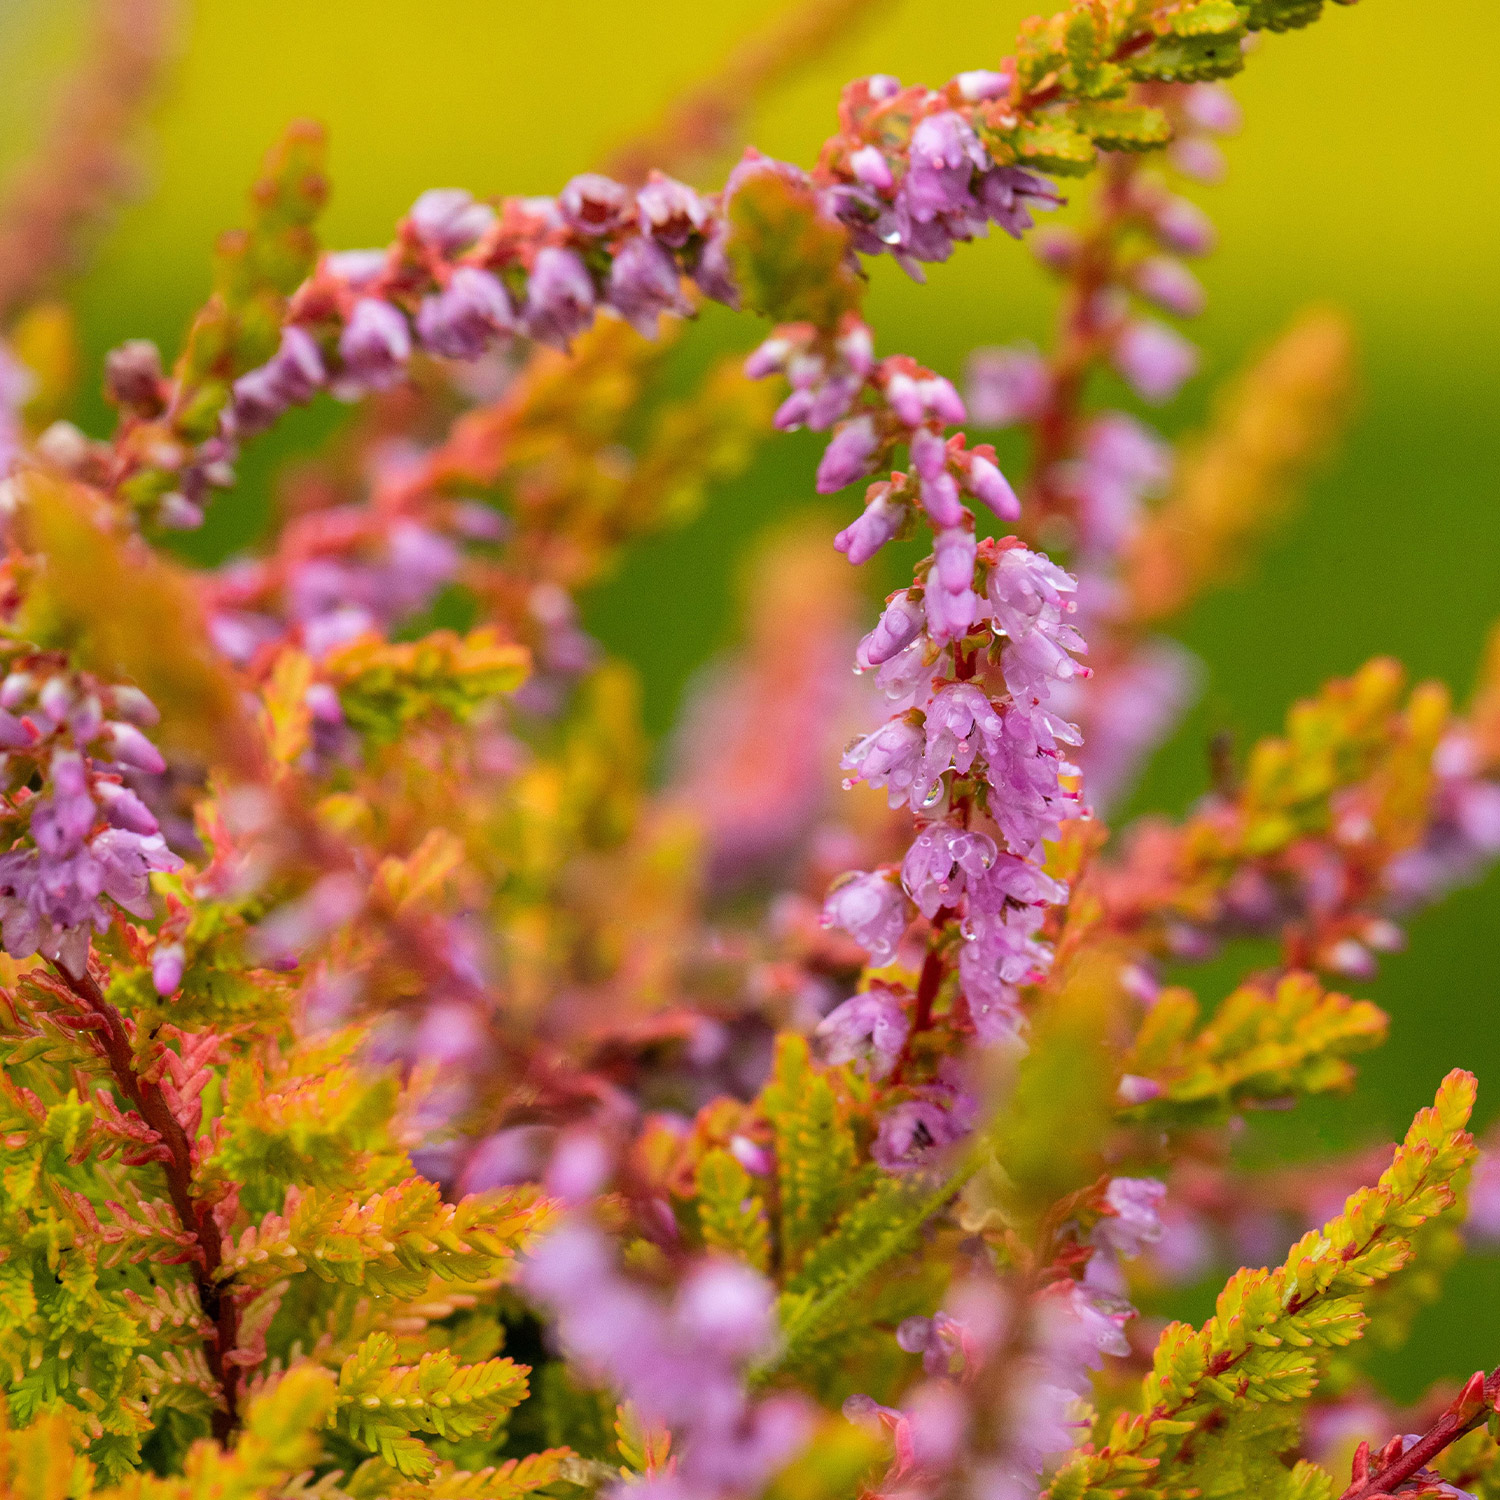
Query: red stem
x=195, y=1216
x=1473, y=1406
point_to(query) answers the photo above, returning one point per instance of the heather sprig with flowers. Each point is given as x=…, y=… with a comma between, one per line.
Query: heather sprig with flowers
x=403, y=1096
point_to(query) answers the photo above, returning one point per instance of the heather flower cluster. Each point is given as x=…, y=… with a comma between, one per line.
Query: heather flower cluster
x=81, y=841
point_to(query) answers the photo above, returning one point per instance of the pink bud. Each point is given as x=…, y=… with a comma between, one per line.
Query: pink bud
x=989, y=486
x=130, y=747
x=166, y=969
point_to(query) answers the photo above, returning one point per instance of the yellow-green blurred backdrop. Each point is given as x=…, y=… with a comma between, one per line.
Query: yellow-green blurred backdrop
x=1368, y=173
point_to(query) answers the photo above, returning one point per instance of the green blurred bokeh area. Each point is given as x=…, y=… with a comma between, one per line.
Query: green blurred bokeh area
x=1366, y=174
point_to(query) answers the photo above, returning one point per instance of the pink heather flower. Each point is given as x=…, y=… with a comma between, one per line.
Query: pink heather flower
x=943, y=864
x=1483, y=1224
x=128, y=746
x=355, y=268
x=1169, y=284
x=940, y=500
x=713, y=274
x=872, y=910
x=166, y=969
x=881, y=519
x=374, y=347
x=1136, y=1221
x=124, y=809
x=915, y=400
x=950, y=614
x=1211, y=107
x=850, y=455
x=290, y=378
x=1154, y=359
x=594, y=204
x=1182, y=226
x=728, y=1308
x=559, y=297
x=890, y=757
x=869, y=1026
x=943, y=155
x=132, y=377
x=461, y=320
x=982, y=83
x=1029, y=801
x=645, y=282
x=1009, y=194
x=941, y=1113
x=953, y=558
x=1026, y=592
x=1197, y=157
x=670, y=211
x=1133, y=1089
x=449, y=218
x=1005, y=386
x=899, y=625
x=961, y=721
x=992, y=489
x=907, y=677
x=871, y=168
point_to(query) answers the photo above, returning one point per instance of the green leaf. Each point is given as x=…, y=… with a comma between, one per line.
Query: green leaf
x=1055, y=145
x=790, y=261
x=1123, y=127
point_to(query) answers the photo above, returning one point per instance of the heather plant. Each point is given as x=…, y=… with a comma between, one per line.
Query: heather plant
x=404, y=1096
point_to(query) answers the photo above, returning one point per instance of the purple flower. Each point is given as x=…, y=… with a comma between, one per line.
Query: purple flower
x=943, y=863
x=942, y=1113
x=290, y=378
x=461, y=320
x=943, y=155
x=873, y=1025
x=899, y=625
x=374, y=347
x=871, y=909
x=1483, y=1223
x=670, y=211
x=123, y=808
x=1155, y=359
x=1134, y=1089
x=881, y=519
x=1170, y=285
x=128, y=746
x=950, y=612
x=559, y=297
x=1008, y=195
x=1132, y=711
x=728, y=1308
x=166, y=969
x=1136, y=1221
x=890, y=757
x=1211, y=107
x=713, y=273
x=594, y=204
x=645, y=282
x=982, y=83
x=871, y=168
x=1006, y=386
x=960, y=720
x=915, y=399
x=133, y=376
x=989, y=486
x=850, y=455
x=1182, y=226
x=1028, y=598
x=449, y=218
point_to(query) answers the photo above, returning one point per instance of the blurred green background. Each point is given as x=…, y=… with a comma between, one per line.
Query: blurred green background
x=1368, y=173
